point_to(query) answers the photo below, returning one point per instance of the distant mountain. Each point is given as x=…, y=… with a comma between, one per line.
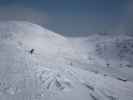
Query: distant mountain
x=113, y=52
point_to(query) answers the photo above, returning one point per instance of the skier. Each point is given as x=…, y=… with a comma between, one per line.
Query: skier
x=31, y=51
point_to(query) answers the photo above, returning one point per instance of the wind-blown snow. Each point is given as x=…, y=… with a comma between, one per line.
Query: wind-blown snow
x=54, y=70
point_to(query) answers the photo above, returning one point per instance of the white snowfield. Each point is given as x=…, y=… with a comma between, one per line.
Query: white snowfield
x=37, y=64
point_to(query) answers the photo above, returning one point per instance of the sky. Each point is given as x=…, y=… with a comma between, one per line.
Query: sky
x=72, y=17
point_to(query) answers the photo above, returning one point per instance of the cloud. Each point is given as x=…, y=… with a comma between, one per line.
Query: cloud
x=24, y=14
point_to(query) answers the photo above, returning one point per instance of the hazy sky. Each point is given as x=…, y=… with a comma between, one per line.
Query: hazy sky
x=72, y=17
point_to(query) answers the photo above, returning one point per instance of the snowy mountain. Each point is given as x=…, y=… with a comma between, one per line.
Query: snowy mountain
x=37, y=64
x=108, y=54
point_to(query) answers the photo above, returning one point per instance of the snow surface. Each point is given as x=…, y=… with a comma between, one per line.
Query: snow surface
x=58, y=68
x=109, y=55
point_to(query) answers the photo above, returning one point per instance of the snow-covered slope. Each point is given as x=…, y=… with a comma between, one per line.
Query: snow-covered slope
x=108, y=54
x=32, y=36
x=37, y=64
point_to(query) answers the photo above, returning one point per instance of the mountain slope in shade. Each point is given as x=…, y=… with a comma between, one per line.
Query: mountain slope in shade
x=32, y=68
x=108, y=54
